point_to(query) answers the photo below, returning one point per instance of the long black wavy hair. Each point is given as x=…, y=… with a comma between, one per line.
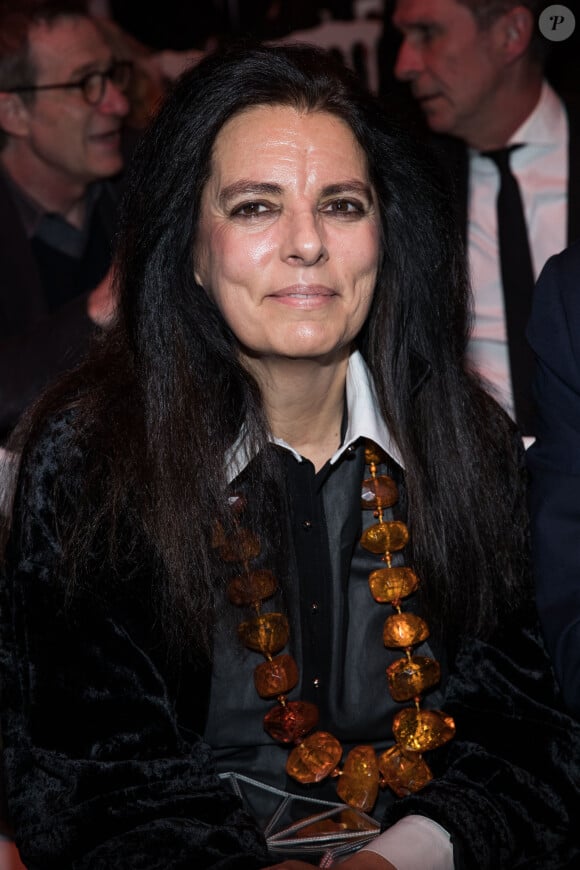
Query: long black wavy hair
x=163, y=396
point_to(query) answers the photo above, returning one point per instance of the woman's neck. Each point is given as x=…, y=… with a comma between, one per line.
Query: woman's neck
x=304, y=402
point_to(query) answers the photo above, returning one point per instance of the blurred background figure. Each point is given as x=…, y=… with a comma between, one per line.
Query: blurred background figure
x=62, y=108
x=477, y=70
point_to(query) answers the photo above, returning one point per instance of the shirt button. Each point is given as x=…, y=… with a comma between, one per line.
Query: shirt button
x=314, y=607
x=307, y=525
x=316, y=683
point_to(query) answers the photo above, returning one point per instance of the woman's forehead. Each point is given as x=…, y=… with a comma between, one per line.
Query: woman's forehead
x=278, y=138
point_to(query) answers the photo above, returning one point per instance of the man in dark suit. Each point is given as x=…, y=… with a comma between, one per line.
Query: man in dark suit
x=476, y=68
x=62, y=104
x=554, y=464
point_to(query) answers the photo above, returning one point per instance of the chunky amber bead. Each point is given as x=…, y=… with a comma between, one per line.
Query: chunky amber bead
x=289, y=722
x=241, y=546
x=352, y=821
x=383, y=537
x=315, y=758
x=420, y=730
x=378, y=492
x=251, y=588
x=404, y=772
x=391, y=584
x=373, y=454
x=408, y=678
x=276, y=677
x=358, y=785
x=267, y=633
x=404, y=630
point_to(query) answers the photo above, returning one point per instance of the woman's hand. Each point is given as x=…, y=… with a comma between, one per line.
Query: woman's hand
x=361, y=861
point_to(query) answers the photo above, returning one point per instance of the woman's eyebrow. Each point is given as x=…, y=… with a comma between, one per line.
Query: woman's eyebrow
x=245, y=187
x=348, y=186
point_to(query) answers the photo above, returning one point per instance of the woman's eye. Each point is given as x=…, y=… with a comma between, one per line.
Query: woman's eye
x=344, y=207
x=249, y=209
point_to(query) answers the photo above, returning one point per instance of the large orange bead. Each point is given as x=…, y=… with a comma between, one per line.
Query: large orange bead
x=315, y=758
x=289, y=722
x=392, y=584
x=358, y=785
x=276, y=677
x=241, y=546
x=383, y=537
x=420, y=730
x=404, y=772
x=378, y=492
x=404, y=630
x=251, y=588
x=407, y=679
x=267, y=633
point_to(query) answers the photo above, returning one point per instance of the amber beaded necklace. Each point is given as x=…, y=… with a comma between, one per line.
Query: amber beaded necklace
x=317, y=754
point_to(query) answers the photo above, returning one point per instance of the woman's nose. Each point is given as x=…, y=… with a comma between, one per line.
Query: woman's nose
x=303, y=238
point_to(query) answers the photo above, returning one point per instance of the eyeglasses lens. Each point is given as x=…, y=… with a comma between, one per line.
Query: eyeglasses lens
x=94, y=84
x=120, y=74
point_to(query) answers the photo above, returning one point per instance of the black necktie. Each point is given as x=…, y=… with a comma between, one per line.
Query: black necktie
x=518, y=283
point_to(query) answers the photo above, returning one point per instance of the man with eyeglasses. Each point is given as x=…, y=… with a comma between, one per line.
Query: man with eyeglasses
x=62, y=105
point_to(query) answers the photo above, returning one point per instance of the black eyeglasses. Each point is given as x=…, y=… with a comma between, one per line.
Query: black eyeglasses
x=93, y=84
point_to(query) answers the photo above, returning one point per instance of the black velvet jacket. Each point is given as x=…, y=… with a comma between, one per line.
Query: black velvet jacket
x=104, y=769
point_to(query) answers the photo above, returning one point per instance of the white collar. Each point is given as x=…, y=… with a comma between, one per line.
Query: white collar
x=364, y=421
x=542, y=126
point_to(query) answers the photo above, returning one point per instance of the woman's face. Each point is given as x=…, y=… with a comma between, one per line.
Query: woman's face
x=288, y=238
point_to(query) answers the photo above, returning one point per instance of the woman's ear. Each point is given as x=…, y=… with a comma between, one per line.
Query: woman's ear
x=198, y=268
x=197, y=277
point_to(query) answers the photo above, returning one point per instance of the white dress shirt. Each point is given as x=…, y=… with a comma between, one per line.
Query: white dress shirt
x=541, y=168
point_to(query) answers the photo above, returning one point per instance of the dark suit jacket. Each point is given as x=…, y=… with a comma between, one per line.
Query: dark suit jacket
x=37, y=345
x=554, y=464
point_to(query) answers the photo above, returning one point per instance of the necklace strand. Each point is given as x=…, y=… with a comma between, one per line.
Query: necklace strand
x=317, y=754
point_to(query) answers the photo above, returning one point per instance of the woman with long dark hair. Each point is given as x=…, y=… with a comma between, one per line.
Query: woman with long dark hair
x=272, y=480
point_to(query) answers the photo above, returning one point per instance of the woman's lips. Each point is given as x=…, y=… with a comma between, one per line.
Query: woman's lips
x=303, y=297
